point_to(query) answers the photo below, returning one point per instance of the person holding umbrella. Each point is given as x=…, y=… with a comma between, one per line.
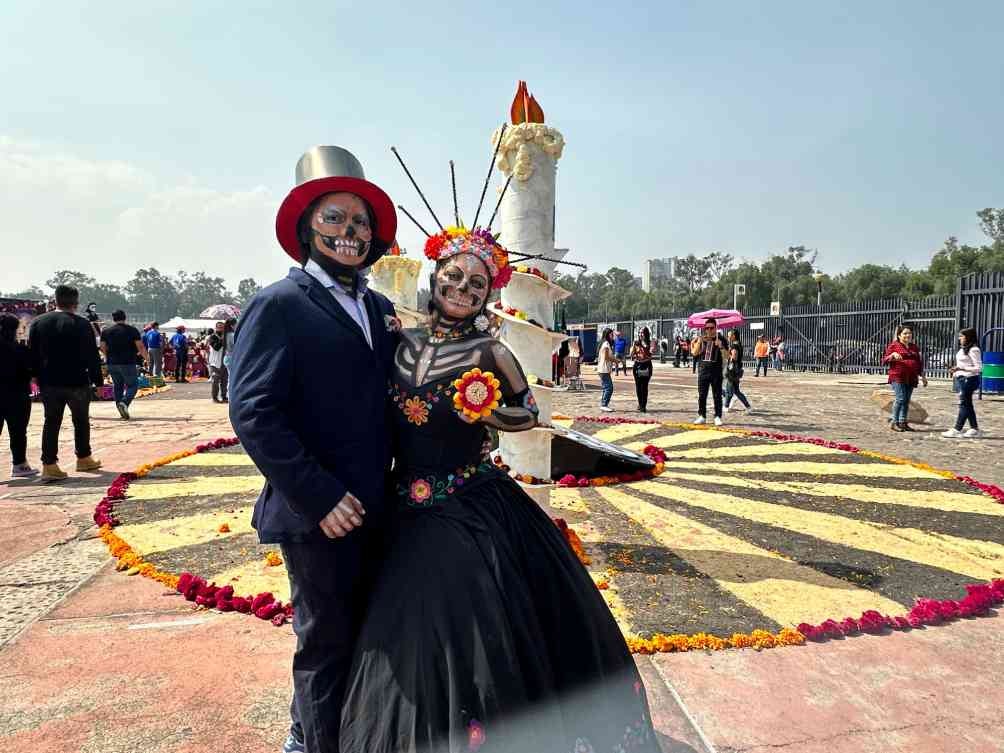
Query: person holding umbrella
x=708, y=351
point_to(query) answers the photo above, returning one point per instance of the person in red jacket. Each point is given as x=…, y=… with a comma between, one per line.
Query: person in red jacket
x=906, y=369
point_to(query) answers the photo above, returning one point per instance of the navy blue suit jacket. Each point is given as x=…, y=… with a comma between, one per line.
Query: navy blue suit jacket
x=308, y=400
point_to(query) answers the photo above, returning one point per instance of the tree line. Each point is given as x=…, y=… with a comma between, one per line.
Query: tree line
x=148, y=292
x=704, y=282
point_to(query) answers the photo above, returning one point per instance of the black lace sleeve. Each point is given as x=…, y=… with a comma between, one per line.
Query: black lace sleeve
x=519, y=412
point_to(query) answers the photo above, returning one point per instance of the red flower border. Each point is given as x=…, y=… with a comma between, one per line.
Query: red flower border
x=208, y=595
x=980, y=598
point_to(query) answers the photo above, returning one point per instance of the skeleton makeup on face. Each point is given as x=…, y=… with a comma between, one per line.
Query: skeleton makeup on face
x=341, y=229
x=461, y=287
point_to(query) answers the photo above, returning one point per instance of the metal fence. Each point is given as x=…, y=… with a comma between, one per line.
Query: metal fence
x=981, y=305
x=850, y=338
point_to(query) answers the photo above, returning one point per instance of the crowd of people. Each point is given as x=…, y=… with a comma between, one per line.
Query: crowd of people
x=67, y=355
x=718, y=363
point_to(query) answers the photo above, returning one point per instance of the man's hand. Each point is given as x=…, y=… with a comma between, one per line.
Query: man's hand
x=344, y=517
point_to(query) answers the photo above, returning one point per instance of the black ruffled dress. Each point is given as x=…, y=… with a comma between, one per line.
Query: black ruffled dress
x=484, y=631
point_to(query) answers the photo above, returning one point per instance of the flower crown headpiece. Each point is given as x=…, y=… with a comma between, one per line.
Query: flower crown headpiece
x=478, y=242
x=457, y=239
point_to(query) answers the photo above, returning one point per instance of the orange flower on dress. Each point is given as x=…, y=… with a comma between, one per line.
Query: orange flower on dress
x=415, y=410
x=477, y=394
x=272, y=559
x=224, y=528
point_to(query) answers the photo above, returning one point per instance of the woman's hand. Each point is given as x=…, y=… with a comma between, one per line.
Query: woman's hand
x=895, y=356
x=923, y=380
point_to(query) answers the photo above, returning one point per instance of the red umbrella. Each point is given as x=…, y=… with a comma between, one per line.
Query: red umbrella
x=723, y=318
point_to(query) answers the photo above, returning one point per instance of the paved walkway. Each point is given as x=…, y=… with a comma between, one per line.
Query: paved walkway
x=92, y=660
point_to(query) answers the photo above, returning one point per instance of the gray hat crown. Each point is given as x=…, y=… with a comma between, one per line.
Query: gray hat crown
x=328, y=162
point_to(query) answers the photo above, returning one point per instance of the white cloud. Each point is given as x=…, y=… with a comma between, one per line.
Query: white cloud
x=108, y=218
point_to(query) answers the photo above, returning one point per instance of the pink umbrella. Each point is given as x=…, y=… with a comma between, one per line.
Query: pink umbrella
x=221, y=311
x=723, y=318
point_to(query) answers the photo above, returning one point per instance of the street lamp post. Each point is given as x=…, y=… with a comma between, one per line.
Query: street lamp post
x=818, y=277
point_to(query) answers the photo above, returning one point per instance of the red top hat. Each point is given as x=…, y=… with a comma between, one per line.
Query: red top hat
x=331, y=169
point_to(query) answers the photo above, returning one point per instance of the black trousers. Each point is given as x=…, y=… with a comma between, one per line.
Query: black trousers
x=329, y=582
x=181, y=366
x=709, y=378
x=15, y=411
x=55, y=401
x=642, y=377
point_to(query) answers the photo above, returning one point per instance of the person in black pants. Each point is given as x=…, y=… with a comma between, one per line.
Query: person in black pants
x=65, y=361
x=708, y=353
x=641, y=355
x=15, y=400
x=321, y=435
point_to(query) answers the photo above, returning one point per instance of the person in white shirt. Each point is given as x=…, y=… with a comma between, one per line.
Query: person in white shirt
x=604, y=362
x=966, y=372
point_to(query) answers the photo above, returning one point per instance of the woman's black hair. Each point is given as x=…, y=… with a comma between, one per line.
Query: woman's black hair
x=901, y=327
x=970, y=334
x=607, y=335
x=8, y=327
x=646, y=333
x=734, y=333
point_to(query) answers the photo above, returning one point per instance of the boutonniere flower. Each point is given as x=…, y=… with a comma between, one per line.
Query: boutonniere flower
x=392, y=323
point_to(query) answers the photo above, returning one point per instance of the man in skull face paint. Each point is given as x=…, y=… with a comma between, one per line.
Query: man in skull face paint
x=308, y=374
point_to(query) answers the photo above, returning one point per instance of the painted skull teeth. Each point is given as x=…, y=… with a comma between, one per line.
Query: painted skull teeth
x=345, y=246
x=455, y=296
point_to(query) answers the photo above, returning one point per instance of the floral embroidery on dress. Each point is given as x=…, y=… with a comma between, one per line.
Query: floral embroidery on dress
x=415, y=410
x=417, y=407
x=432, y=489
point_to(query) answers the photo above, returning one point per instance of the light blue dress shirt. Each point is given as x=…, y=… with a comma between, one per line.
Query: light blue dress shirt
x=353, y=306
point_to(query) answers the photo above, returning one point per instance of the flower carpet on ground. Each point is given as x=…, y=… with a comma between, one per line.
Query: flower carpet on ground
x=745, y=539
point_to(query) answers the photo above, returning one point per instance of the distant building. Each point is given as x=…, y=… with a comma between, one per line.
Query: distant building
x=655, y=272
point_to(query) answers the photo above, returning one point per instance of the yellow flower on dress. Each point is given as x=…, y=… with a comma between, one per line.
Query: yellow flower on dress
x=477, y=394
x=416, y=411
x=272, y=559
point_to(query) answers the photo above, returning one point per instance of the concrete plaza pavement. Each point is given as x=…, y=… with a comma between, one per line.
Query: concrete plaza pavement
x=92, y=660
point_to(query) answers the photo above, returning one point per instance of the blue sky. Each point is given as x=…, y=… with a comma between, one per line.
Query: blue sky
x=166, y=133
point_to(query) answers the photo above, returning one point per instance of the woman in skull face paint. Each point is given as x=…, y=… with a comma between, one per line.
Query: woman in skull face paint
x=483, y=627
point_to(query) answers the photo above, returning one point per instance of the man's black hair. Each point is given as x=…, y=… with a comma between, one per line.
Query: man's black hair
x=66, y=296
x=118, y=315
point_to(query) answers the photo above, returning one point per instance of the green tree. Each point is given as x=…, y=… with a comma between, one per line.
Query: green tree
x=873, y=281
x=246, y=290
x=151, y=291
x=34, y=293
x=951, y=262
x=71, y=277
x=992, y=223
x=198, y=291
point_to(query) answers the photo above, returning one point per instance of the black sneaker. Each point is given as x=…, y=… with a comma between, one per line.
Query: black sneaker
x=123, y=410
x=292, y=745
